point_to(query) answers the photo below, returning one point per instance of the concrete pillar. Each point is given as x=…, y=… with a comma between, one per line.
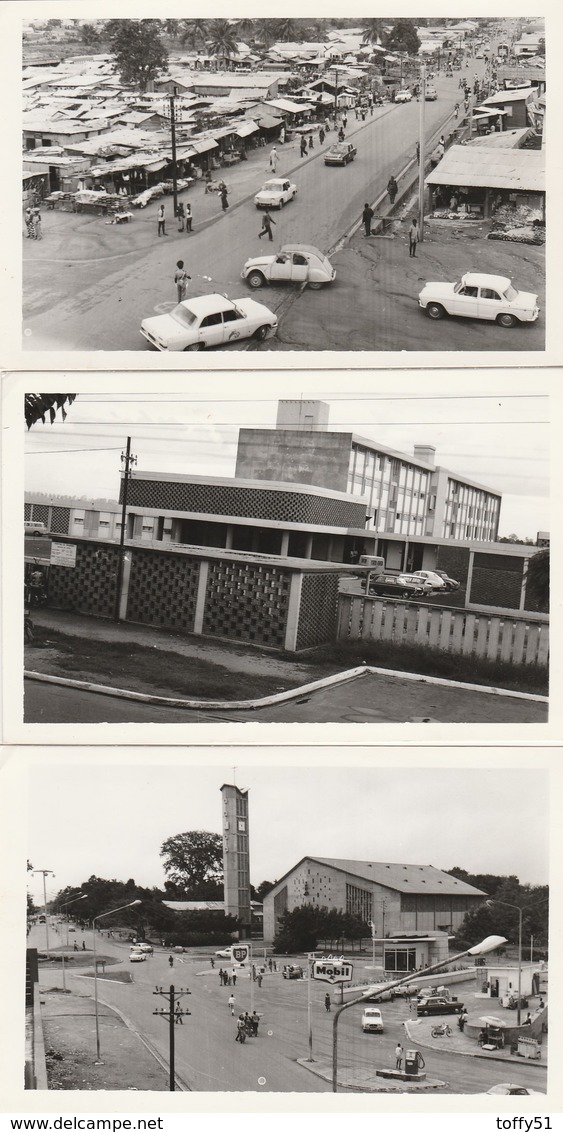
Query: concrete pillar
x=292, y=622
x=469, y=576
x=229, y=537
x=126, y=576
x=201, y=596
x=284, y=550
x=309, y=546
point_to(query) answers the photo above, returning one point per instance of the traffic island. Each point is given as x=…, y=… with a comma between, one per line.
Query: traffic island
x=356, y=1079
x=401, y=1075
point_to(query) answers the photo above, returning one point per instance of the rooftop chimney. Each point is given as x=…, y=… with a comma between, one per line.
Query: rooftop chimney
x=425, y=452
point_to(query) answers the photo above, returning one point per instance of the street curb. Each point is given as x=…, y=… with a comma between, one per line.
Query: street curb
x=279, y=697
x=510, y=1058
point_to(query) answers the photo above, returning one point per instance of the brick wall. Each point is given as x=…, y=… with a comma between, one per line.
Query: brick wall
x=497, y=580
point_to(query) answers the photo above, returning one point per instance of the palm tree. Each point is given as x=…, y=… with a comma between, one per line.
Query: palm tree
x=288, y=31
x=194, y=33
x=264, y=32
x=373, y=31
x=221, y=40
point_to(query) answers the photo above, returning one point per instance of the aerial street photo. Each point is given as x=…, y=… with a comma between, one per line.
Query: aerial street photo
x=277, y=930
x=370, y=557
x=395, y=166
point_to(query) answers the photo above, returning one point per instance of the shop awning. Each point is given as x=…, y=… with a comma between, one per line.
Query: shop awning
x=269, y=123
x=156, y=166
x=246, y=128
x=204, y=145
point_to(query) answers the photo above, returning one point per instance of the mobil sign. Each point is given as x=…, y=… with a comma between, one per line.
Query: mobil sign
x=333, y=970
x=240, y=953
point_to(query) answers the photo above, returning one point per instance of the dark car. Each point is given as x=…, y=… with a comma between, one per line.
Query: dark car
x=340, y=153
x=391, y=585
x=435, y=1004
x=450, y=583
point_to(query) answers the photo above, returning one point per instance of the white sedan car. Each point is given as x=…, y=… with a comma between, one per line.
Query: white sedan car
x=403, y=96
x=275, y=193
x=209, y=320
x=491, y=297
x=137, y=957
x=508, y=1090
x=372, y=1022
x=294, y=263
x=434, y=581
x=225, y=953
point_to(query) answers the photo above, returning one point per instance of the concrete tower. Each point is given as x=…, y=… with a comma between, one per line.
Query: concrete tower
x=236, y=856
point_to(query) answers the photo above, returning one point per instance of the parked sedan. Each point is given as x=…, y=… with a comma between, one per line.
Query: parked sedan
x=295, y=263
x=512, y=1091
x=275, y=193
x=450, y=583
x=490, y=297
x=403, y=96
x=429, y=577
x=435, y=1004
x=340, y=153
x=224, y=953
x=209, y=320
x=395, y=586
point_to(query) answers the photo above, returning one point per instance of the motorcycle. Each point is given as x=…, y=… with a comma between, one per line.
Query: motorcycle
x=441, y=1031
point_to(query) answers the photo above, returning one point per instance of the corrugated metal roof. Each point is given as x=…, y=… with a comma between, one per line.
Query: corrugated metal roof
x=493, y=169
x=403, y=878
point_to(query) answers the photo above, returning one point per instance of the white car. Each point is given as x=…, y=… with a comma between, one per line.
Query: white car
x=433, y=580
x=491, y=297
x=512, y=1091
x=225, y=953
x=294, y=263
x=372, y=1022
x=403, y=96
x=137, y=957
x=209, y=320
x=146, y=947
x=275, y=193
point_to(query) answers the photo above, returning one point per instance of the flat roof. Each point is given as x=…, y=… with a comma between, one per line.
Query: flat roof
x=514, y=169
x=254, y=485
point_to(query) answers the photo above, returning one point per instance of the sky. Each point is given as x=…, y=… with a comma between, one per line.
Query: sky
x=110, y=819
x=491, y=431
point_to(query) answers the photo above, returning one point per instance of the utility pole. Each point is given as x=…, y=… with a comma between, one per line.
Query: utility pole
x=172, y=101
x=174, y=1013
x=45, y=873
x=127, y=460
x=335, y=94
x=421, y=140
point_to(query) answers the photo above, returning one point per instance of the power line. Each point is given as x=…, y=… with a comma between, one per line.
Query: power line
x=71, y=451
x=337, y=426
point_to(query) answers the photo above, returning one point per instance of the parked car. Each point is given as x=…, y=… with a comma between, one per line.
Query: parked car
x=292, y=971
x=512, y=1091
x=395, y=586
x=146, y=947
x=431, y=577
x=209, y=320
x=403, y=96
x=372, y=1022
x=450, y=583
x=137, y=957
x=340, y=153
x=435, y=1004
x=275, y=193
x=34, y=528
x=294, y=263
x=380, y=993
x=431, y=94
x=224, y=953
x=490, y=297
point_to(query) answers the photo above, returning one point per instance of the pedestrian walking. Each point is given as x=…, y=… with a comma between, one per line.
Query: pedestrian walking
x=356, y=112
x=341, y=134
x=212, y=964
x=392, y=188
x=181, y=217
x=181, y=280
x=327, y=125
x=170, y=960
x=327, y=1002
x=273, y=159
x=266, y=229
x=255, y=1020
x=321, y=136
x=367, y=217
x=75, y=946
x=414, y=236
x=231, y=1004
x=344, y=120
x=230, y=980
x=234, y=979
x=224, y=194
x=84, y=945
x=463, y=1018
x=259, y=979
x=311, y=142
x=241, y=1030
x=456, y=110
x=221, y=973
x=189, y=218
x=161, y=221
x=398, y=1056
x=303, y=146
x=30, y=235
x=37, y=224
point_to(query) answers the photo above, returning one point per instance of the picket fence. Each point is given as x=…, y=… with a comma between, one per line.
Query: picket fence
x=517, y=639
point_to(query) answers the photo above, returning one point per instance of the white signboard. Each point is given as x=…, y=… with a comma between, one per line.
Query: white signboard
x=63, y=554
x=333, y=970
x=240, y=953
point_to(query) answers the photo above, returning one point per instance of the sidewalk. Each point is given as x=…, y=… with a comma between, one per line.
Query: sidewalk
x=419, y=1032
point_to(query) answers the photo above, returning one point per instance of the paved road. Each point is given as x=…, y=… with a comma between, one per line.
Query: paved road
x=370, y=699
x=208, y=1059
x=89, y=286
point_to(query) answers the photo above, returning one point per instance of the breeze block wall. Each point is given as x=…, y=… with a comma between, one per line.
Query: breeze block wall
x=90, y=586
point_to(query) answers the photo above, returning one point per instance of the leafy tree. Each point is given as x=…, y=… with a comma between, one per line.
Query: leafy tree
x=500, y=916
x=139, y=55
x=264, y=888
x=193, y=862
x=89, y=35
x=537, y=580
x=301, y=929
x=221, y=40
x=194, y=33
x=40, y=405
x=403, y=37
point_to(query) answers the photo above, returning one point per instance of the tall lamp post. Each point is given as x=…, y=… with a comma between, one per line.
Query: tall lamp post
x=45, y=873
x=488, y=944
x=100, y=917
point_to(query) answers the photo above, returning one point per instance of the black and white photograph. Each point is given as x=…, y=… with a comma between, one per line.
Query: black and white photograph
x=396, y=165
x=358, y=558
x=277, y=930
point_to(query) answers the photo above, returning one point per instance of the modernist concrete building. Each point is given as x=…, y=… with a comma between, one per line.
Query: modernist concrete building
x=414, y=908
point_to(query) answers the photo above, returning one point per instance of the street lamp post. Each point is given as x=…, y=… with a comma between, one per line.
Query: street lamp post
x=488, y=944
x=45, y=873
x=100, y=917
